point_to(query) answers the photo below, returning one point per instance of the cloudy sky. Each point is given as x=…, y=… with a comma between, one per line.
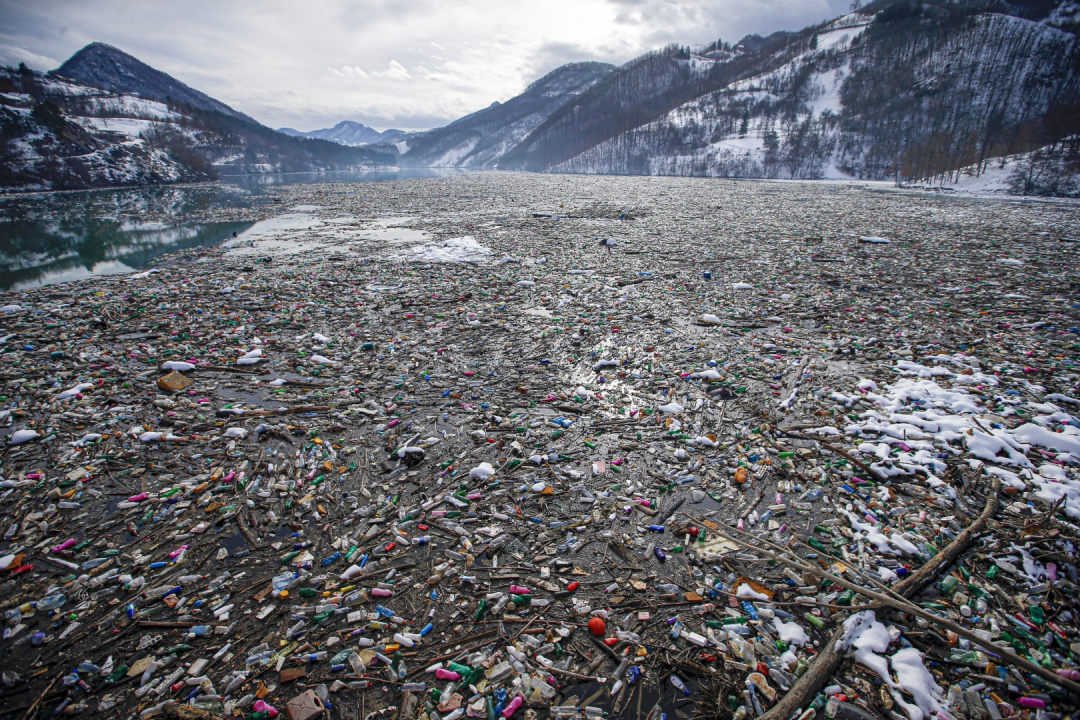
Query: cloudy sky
x=409, y=64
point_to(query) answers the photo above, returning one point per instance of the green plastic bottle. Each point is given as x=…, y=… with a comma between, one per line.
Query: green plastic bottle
x=459, y=668
x=963, y=656
x=114, y=677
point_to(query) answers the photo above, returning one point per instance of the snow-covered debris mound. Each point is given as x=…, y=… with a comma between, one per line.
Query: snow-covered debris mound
x=455, y=250
x=917, y=423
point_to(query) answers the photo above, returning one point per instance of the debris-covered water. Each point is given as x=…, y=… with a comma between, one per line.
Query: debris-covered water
x=555, y=446
x=49, y=238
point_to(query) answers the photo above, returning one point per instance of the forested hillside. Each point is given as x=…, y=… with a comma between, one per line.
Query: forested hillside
x=898, y=90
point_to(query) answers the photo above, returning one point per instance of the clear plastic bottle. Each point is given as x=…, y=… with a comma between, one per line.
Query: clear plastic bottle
x=283, y=581
x=52, y=602
x=357, y=664
x=159, y=591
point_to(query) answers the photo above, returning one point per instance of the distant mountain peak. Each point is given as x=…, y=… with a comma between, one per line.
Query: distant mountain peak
x=102, y=65
x=97, y=47
x=348, y=132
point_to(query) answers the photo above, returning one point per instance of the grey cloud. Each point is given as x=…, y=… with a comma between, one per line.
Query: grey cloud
x=13, y=53
x=690, y=23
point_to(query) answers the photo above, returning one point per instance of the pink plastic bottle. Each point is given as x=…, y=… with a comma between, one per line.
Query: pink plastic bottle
x=513, y=706
x=64, y=545
x=260, y=706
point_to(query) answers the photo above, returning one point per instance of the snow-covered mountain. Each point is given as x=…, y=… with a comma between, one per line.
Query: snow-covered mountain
x=128, y=124
x=897, y=90
x=109, y=68
x=861, y=97
x=920, y=91
x=482, y=138
x=348, y=132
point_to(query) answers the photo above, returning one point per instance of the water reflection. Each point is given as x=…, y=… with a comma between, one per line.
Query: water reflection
x=58, y=237
x=42, y=253
x=48, y=238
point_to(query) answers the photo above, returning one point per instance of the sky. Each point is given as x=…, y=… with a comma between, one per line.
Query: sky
x=406, y=64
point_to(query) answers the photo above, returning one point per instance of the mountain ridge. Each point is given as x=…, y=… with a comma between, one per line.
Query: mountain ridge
x=478, y=139
x=348, y=132
x=103, y=66
x=916, y=91
x=128, y=124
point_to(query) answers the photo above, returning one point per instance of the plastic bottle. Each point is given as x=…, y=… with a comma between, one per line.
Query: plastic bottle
x=52, y=602
x=512, y=706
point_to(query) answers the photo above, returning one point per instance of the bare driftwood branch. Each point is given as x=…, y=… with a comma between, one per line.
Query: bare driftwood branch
x=829, y=659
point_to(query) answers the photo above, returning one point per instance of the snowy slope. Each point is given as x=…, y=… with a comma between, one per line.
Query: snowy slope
x=1045, y=172
x=104, y=66
x=867, y=96
x=707, y=136
x=482, y=138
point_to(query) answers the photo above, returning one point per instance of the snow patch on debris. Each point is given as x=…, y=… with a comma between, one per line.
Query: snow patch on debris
x=745, y=592
x=455, y=250
x=894, y=544
x=912, y=675
x=791, y=632
x=868, y=637
x=916, y=420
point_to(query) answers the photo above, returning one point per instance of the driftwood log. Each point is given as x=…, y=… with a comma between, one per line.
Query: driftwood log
x=829, y=659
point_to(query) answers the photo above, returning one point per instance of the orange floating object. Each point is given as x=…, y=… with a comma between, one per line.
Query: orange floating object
x=742, y=475
x=597, y=626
